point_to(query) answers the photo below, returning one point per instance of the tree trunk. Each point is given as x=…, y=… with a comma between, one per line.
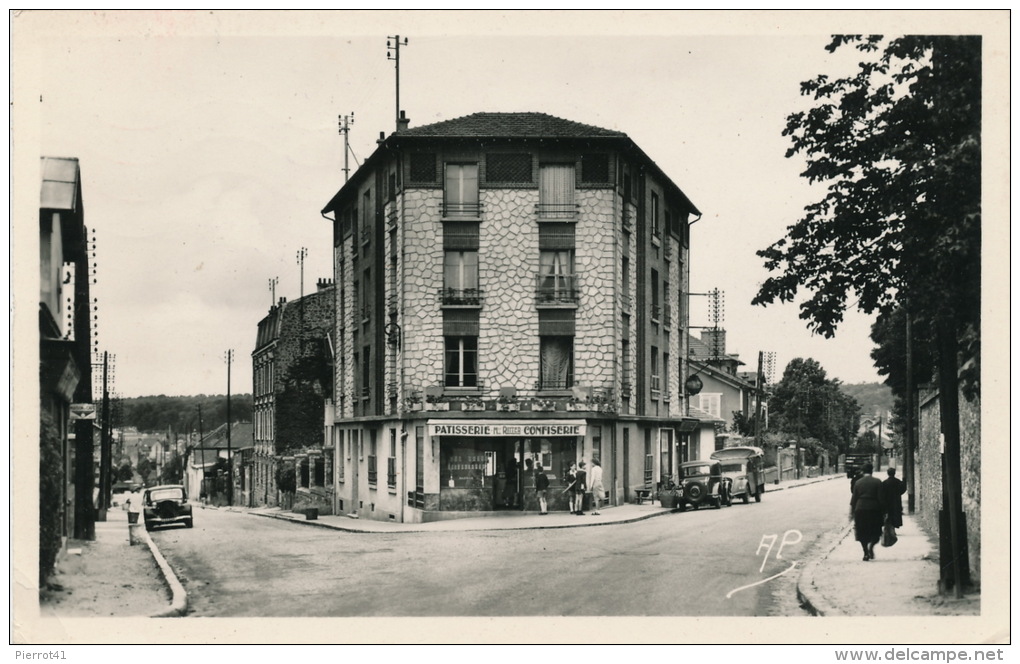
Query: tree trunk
x=955, y=567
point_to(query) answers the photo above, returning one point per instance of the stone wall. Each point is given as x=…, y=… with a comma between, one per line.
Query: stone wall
x=422, y=343
x=928, y=477
x=595, y=265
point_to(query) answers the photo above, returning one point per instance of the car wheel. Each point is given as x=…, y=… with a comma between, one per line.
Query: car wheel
x=728, y=499
x=695, y=493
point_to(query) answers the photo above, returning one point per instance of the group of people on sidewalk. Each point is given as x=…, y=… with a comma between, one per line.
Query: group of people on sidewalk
x=579, y=482
x=876, y=508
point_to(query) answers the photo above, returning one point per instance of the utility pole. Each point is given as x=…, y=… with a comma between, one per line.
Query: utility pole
x=393, y=45
x=272, y=301
x=230, y=459
x=104, y=442
x=301, y=255
x=757, y=401
x=345, y=127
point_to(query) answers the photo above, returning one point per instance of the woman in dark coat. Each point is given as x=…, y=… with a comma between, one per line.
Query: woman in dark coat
x=892, y=488
x=868, y=506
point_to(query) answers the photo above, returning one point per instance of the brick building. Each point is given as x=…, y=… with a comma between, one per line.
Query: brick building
x=510, y=291
x=292, y=381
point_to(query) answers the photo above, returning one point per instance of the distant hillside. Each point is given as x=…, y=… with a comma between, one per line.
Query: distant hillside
x=871, y=396
x=161, y=412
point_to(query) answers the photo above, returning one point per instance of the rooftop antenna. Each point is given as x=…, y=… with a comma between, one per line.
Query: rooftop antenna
x=345, y=126
x=393, y=45
x=272, y=289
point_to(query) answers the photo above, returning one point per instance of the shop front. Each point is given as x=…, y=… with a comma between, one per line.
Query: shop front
x=492, y=466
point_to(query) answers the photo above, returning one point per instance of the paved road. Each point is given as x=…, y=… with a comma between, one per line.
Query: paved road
x=680, y=564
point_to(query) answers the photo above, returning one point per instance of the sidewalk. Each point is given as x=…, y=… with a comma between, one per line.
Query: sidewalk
x=110, y=577
x=902, y=580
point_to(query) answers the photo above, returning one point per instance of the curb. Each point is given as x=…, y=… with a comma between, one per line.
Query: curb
x=179, y=596
x=319, y=524
x=811, y=600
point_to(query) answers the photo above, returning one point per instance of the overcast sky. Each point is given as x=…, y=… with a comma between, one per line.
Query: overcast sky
x=208, y=144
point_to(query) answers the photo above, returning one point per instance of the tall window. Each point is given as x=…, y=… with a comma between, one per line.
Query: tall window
x=391, y=461
x=665, y=376
x=655, y=295
x=556, y=276
x=625, y=351
x=461, y=362
x=373, y=468
x=711, y=403
x=667, y=310
x=366, y=371
x=461, y=190
x=656, y=227
x=556, y=362
x=460, y=277
x=556, y=191
x=655, y=370
x=625, y=276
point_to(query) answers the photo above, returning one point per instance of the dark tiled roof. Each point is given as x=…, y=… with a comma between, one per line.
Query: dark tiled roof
x=509, y=125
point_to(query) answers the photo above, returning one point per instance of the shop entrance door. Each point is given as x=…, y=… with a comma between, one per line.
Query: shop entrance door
x=507, y=486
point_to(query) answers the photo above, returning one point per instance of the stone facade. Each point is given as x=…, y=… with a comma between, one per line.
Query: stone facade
x=928, y=477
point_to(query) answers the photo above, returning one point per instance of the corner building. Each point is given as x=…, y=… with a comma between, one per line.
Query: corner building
x=510, y=292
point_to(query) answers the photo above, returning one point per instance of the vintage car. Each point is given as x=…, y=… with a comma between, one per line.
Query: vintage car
x=745, y=465
x=165, y=505
x=701, y=483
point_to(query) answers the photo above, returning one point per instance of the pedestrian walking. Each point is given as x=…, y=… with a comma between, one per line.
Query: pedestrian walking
x=542, y=488
x=598, y=492
x=570, y=479
x=868, y=508
x=892, y=489
x=580, y=487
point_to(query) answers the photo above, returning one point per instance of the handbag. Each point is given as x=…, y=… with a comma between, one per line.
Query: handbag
x=888, y=534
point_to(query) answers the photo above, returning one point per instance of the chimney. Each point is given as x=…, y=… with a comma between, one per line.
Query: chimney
x=382, y=138
x=715, y=339
x=323, y=284
x=402, y=121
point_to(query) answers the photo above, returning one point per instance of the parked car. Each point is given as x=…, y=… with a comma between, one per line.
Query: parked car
x=703, y=482
x=745, y=465
x=165, y=505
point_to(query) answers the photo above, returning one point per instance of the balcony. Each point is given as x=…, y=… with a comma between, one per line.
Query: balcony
x=462, y=210
x=556, y=211
x=558, y=290
x=554, y=384
x=461, y=297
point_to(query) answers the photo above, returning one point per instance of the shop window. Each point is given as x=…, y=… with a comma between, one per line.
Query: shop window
x=461, y=362
x=460, y=192
x=596, y=442
x=556, y=362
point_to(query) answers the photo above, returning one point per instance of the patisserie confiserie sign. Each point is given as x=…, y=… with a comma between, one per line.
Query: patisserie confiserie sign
x=526, y=429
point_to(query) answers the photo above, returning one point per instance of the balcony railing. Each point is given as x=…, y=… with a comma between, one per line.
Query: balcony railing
x=656, y=312
x=556, y=289
x=654, y=383
x=546, y=384
x=556, y=211
x=461, y=297
x=462, y=210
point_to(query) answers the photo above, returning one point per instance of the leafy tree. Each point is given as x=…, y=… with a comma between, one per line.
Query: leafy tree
x=50, y=477
x=897, y=146
x=810, y=405
x=305, y=387
x=173, y=470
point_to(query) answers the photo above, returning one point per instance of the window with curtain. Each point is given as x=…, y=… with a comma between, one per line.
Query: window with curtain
x=556, y=191
x=460, y=277
x=461, y=191
x=654, y=384
x=556, y=363
x=556, y=276
x=654, y=213
x=461, y=362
